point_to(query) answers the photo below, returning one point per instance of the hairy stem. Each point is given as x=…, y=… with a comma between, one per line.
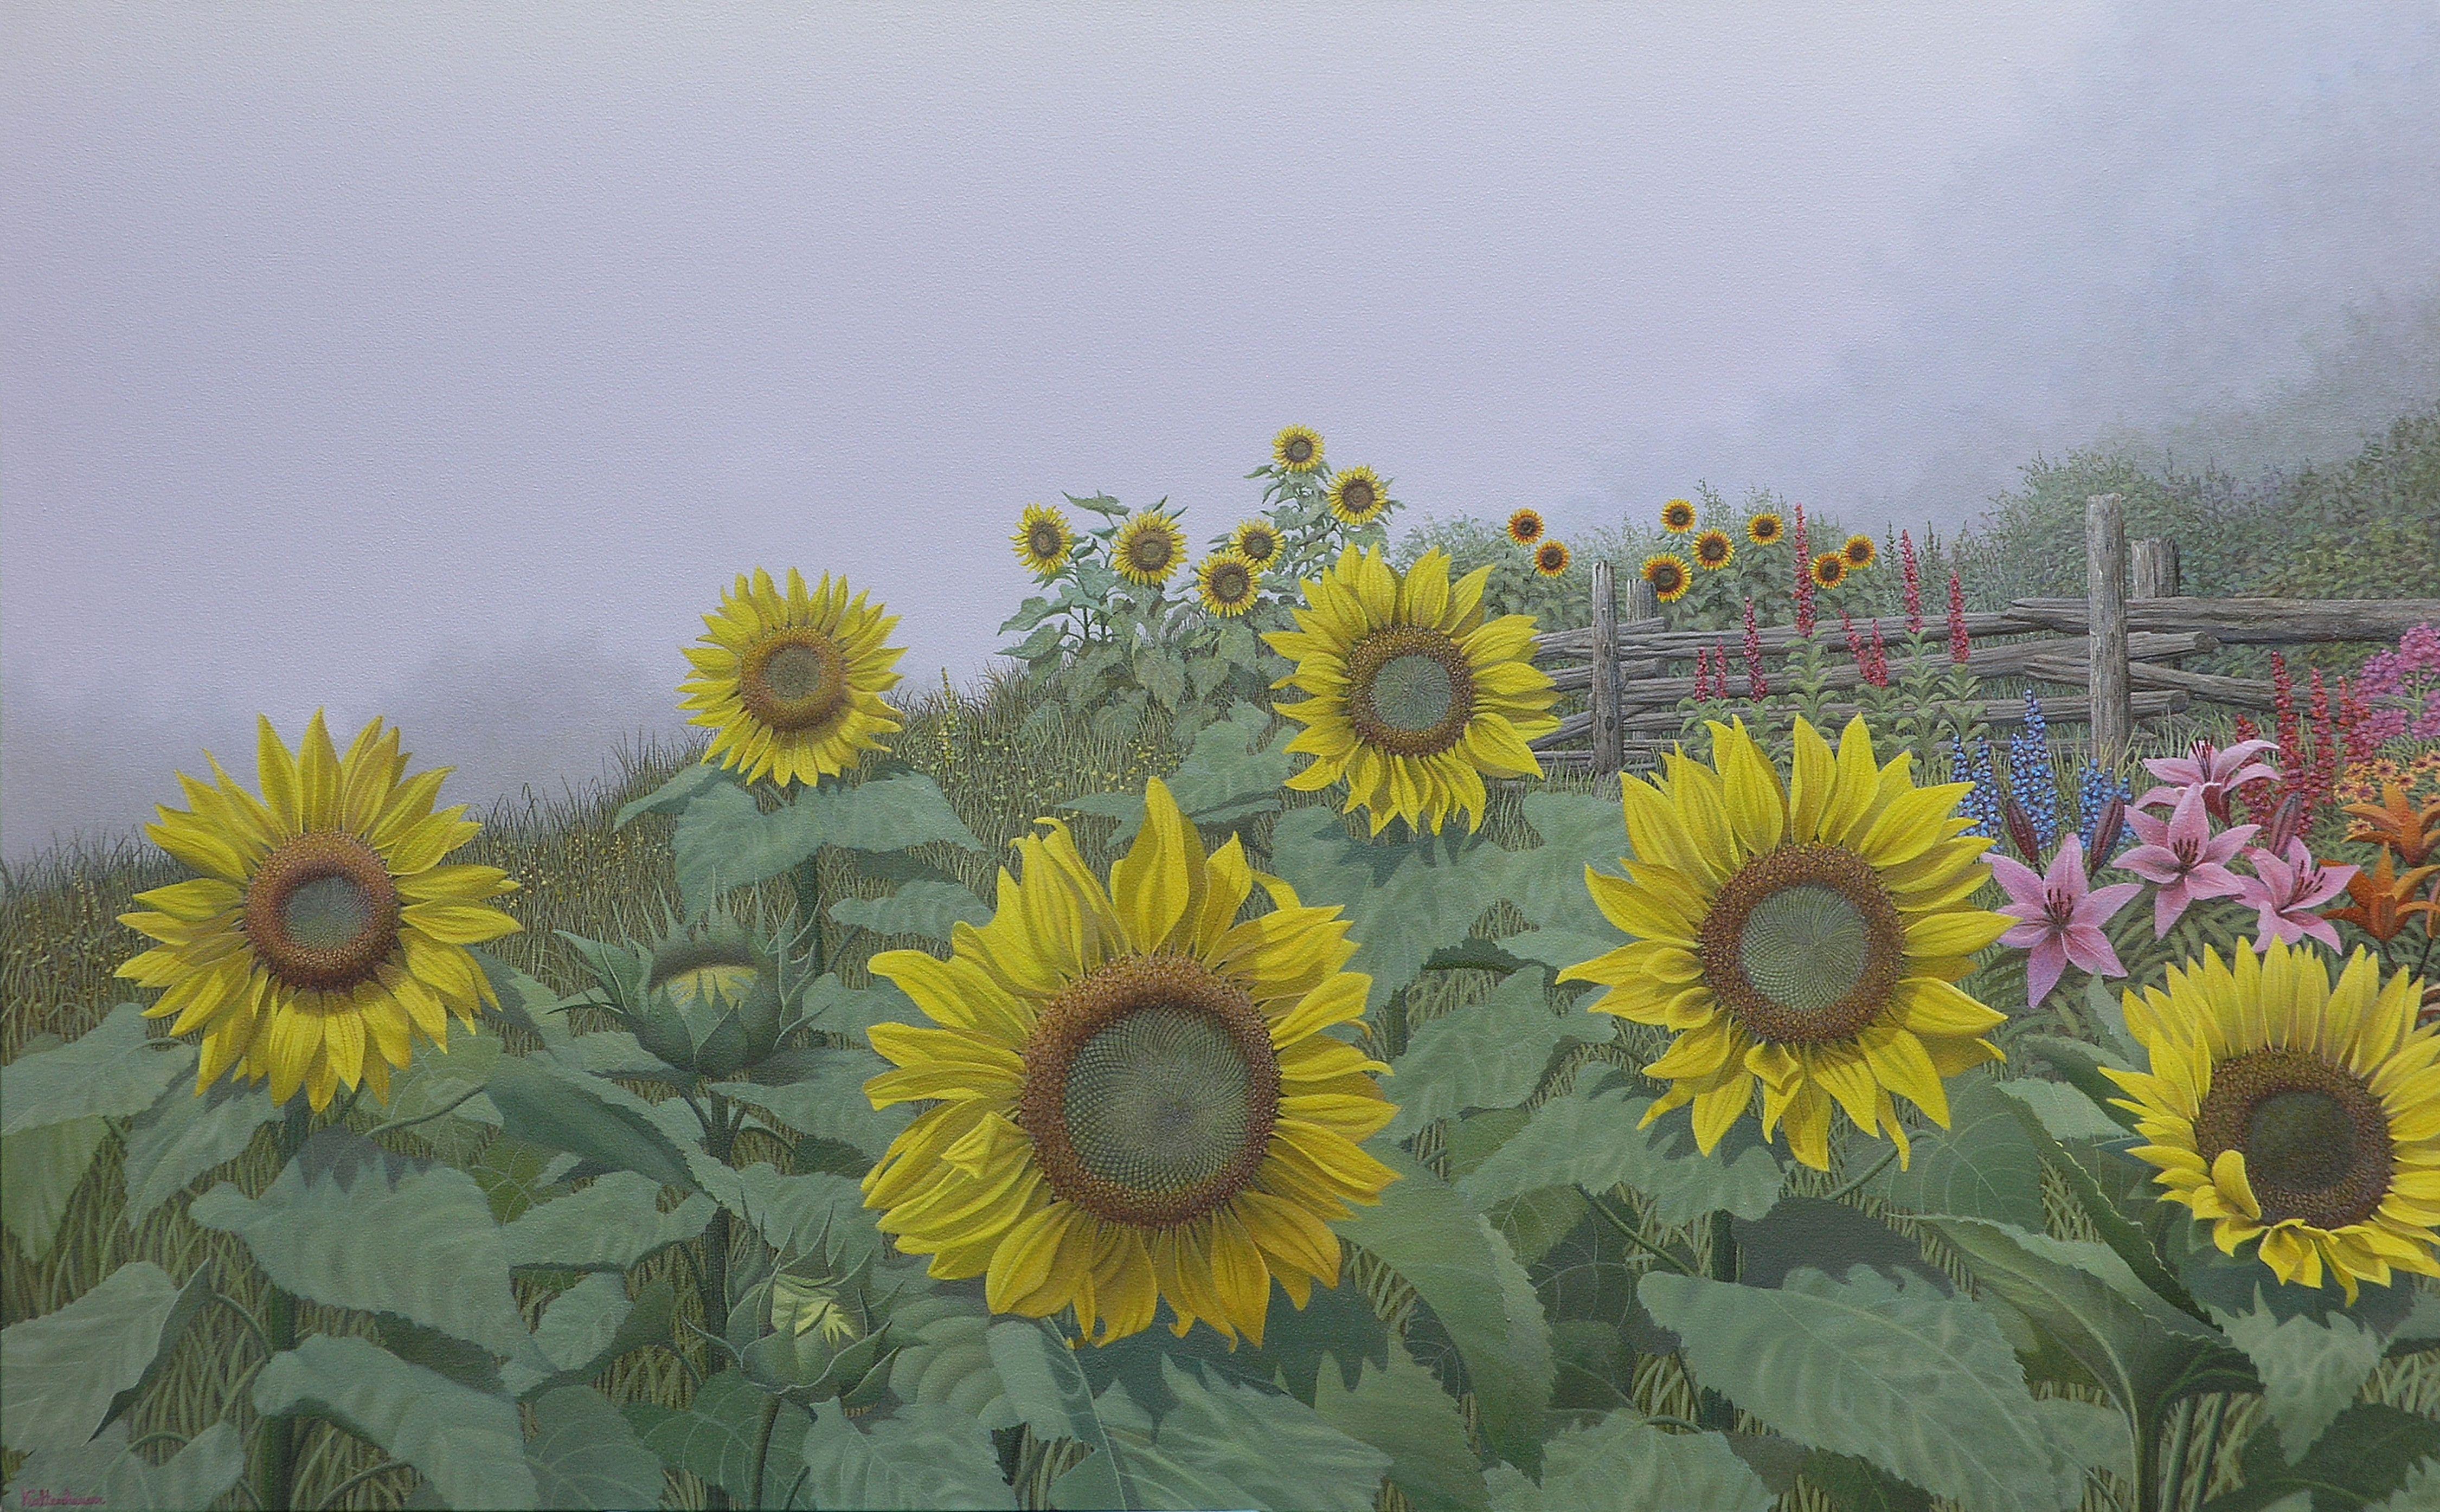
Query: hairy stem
x=1713, y=1410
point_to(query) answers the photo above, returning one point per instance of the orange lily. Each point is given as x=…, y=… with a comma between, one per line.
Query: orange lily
x=2395, y=824
x=2380, y=900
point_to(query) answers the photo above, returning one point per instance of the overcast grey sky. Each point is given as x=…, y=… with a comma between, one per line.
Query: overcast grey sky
x=445, y=362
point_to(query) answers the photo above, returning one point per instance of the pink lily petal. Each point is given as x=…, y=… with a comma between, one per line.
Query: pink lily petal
x=2090, y=950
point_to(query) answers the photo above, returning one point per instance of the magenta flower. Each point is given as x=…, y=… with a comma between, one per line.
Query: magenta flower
x=2062, y=915
x=2183, y=858
x=2286, y=893
x=2217, y=773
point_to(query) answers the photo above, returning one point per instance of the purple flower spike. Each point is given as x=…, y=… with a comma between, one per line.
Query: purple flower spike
x=2063, y=915
x=2183, y=858
x=2286, y=893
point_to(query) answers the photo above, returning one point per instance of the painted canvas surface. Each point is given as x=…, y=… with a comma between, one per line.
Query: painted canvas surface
x=1303, y=758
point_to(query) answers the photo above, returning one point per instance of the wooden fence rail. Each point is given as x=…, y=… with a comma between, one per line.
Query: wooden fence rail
x=2118, y=647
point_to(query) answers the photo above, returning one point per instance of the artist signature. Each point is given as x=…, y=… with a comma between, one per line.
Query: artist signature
x=34, y=1499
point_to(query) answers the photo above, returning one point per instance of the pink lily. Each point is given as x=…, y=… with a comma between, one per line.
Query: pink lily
x=2062, y=915
x=2217, y=773
x=2285, y=893
x=2183, y=858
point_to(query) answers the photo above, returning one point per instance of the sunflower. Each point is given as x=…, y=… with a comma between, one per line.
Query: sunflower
x=1148, y=549
x=1858, y=551
x=1297, y=449
x=1713, y=550
x=1415, y=695
x=1358, y=497
x=1044, y=540
x=325, y=934
x=1829, y=570
x=1131, y=1096
x=1669, y=576
x=1765, y=529
x=1228, y=582
x=1550, y=558
x=1525, y=527
x=1803, y=938
x=2283, y=1108
x=1677, y=517
x=792, y=682
x=1258, y=541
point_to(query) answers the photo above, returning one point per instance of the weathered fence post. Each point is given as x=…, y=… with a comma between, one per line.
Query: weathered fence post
x=1609, y=735
x=1642, y=602
x=2156, y=568
x=2108, y=677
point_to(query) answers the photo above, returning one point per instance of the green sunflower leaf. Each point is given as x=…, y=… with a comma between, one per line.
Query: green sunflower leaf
x=1622, y=1461
x=182, y=1136
x=834, y=1007
x=894, y=813
x=715, y=1436
x=818, y=1214
x=1984, y=1165
x=929, y=909
x=40, y=1171
x=1489, y=1054
x=467, y=1443
x=583, y=1454
x=1164, y=676
x=1591, y=1139
x=615, y=1223
x=113, y=1070
x=1222, y=1445
x=588, y=1325
x=827, y=1098
x=115, y=1477
x=921, y=1455
x=349, y=1224
x=1426, y=1231
x=724, y=840
x=1400, y=1410
x=1921, y=1385
x=947, y=1361
x=2367, y=1453
x=1231, y=773
x=1859, y=1486
x=559, y=1108
x=2060, y=1109
x=1404, y=900
x=2311, y=1369
x=71, y=1371
x=673, y=796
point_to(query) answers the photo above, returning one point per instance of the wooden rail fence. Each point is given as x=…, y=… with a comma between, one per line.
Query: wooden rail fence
x=2121, y=646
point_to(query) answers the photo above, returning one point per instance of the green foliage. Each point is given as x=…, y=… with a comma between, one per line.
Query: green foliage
x=722, y=1435
x=611, y=1225
x=1590, y=1139
x=40, y=1170
x=70, y=1372
x=1491, y=1055
x=583, y=1454
x=106, y=1470
x=2310, y=1369
x=113, y=1071
x=1621, y=1462
x=920, y=1455
x=466, y=1442
x=1985, y=1164
x=1399, y=1408
x=589, y=1324
x=2367, y=1453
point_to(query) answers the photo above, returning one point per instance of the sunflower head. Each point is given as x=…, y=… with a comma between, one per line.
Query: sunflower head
x=1297, y=449
x=1044, y=540
x=1550, y=558
x=704, y=997
x=1765, y=529
x=1525, y=527
x=2292, y=1112
x=1802, y=936
x=1860, y=552
x=1149, y=549
x=792, y=680
x=325, y=936
x=1131, y=1097
x=1677, y=516
x=1415, y=696
x=1258, y=541
x=1227, y=582
x=1358, y=497
x=1829, y=570
x=1669, y=577
x=1713, y=550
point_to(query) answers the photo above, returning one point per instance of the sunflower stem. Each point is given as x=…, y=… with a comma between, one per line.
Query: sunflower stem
x=762, y=1450
x=1713, y=1410
x=1878, y=1167
x=2173, y=1493
x=2147, y=1462
x=809, y=909
x=276, y=1440
x=2220, y=1407
x=1627, y=1231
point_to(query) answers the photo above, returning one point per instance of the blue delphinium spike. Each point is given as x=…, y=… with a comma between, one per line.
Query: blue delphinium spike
x=2094, y=788
x=2029, y=771
x=1982, y=805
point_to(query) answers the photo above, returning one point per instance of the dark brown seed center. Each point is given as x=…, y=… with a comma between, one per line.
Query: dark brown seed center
x=1804, y=947
x=322, y=912
x=795, y=680
x=2315, y=1139
x=1410, y=691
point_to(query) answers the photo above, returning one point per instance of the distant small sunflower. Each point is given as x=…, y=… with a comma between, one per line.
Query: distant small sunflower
x=1358, y=497
x=1258, y=541
x=791, y=680
x=1298, y=449
x=1550, y=558
x=1829, y=570
x=1858, y=551
x=1765, y=529
x=1525, y=527
x=1677, y=517
x=1713, y=550
x=1669, y=576
x=1227, y=581
x=1043, y=540
x=1149, y=549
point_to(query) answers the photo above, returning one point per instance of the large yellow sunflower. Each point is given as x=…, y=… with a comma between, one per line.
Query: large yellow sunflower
x=1149, y=549
x=1550, y=558
x=1044, y=539
x=1860, y=552
x=1132, y=1095
x=1415, y=695
x=325, y=933
x=1713, y=550
x=1765, y=529
x=1803, y=938
x=1525, y=526
x=2286, y=1109
x=1668, y=575
x=1227, y=581
x=1677, y=516
x=1297, y=449
x=1829, y=570
x=1258, y=541
x=792, y=681
x=1358, y=497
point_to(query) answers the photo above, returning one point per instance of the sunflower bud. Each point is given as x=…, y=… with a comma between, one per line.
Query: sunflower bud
x=705, y=1000
x=822, y=1340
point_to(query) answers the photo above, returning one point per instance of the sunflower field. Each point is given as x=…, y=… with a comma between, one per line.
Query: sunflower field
x=1217, y=1066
